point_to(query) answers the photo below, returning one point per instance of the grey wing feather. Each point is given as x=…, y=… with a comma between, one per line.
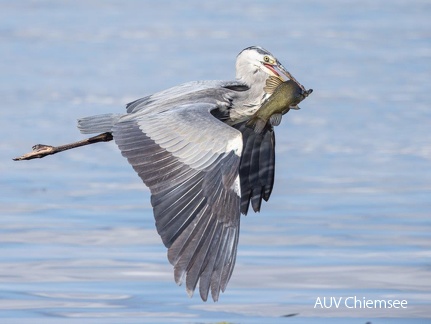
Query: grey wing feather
x=182, y=94
x=98, y=124
x=171, y=94
x=195, y=91
x=257, y=167
x=193, y=177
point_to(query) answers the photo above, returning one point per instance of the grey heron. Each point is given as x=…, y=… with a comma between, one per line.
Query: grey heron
x=192, y=146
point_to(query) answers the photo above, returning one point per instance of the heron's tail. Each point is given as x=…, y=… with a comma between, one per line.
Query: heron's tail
x=98, y=123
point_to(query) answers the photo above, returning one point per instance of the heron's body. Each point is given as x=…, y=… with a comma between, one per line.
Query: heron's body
x=203, y=165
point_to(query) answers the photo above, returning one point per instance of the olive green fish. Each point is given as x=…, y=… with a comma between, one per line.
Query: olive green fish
x=285, y=96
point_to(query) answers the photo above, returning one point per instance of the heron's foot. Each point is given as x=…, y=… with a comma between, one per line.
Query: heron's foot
x=39, y=151
x=42, y=150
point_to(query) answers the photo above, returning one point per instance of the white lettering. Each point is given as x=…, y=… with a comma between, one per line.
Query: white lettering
x=368, y=304
x=318, y=302
x=380, y=302
x=355, y=302
x=324, y=302
x=339, y=302
x=346, y=302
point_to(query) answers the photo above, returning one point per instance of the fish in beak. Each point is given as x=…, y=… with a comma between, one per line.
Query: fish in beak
x=285, y=95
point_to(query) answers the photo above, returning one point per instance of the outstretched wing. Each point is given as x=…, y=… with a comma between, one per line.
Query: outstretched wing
x=190, y=161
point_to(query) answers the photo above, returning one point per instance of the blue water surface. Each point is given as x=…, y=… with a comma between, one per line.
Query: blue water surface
x=350, y=211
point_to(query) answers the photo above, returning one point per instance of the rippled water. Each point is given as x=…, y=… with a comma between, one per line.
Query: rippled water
x=350, y=211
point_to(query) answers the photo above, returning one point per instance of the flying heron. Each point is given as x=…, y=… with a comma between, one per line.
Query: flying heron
x=193, y=146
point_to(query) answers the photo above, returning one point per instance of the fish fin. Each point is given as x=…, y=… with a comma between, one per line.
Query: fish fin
x=307, y=92
x=257, y=124
x=275, y=119
x=294, y=107
x=271, y=84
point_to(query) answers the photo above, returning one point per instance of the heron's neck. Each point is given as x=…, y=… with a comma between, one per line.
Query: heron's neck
x=251, y=99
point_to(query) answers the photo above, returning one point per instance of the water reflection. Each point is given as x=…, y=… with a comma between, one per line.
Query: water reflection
x=349, y=212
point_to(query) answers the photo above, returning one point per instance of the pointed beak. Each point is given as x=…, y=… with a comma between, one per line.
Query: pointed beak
x=281, y=71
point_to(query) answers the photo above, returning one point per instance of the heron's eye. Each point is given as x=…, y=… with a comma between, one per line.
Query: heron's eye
x=266, y=58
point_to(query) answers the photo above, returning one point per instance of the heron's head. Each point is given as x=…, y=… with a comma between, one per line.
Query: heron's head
x=256, y=64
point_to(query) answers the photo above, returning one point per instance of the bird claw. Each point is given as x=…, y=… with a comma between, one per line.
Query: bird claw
x=40, y=147
x=39, y=151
